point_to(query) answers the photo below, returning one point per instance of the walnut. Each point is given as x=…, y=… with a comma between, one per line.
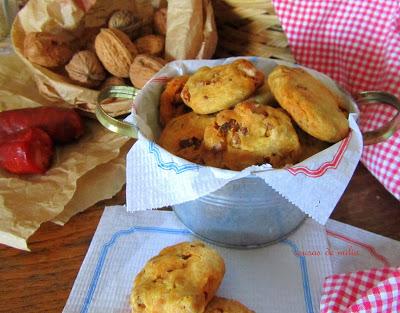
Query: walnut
x=46, y=49
x=150, y=44
x=160, y=21
x=115, y=51
x=125, y=21
x=86, y=69
x=143, y=69
x=113, y=81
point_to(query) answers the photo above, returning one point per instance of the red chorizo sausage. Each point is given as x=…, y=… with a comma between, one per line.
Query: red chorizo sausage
x=63, y=125
x=28, y=151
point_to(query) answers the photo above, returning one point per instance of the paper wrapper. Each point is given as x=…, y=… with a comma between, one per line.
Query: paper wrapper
x=82, y=173
x=69, y=18
x=192, y=25
x=156, y=178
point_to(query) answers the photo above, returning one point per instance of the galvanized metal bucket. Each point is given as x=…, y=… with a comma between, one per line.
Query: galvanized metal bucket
x=245, y=213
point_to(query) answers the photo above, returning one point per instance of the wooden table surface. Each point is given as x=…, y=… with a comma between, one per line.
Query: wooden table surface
x=40, y=281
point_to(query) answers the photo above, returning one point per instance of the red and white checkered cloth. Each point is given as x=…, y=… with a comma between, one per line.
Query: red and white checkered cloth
x=357, y=43
x=375, y=290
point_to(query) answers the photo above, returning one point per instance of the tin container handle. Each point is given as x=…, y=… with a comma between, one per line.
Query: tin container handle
x=387, y=130
x=111, y=123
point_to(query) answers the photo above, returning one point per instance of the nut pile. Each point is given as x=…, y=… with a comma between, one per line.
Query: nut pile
x=126, y=47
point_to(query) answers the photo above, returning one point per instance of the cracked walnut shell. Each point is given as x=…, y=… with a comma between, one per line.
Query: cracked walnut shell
x=86, y=69
x=143, y=69
x=46, y=49
x=115, y=51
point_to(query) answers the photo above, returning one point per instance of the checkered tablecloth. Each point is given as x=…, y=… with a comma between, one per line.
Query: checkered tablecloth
x=357, y=43
x=375, y=290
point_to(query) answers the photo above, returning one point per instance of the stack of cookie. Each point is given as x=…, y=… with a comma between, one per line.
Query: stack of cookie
x=232, y=116
x=183, y=279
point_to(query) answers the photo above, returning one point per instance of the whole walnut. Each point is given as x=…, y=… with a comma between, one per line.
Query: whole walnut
x=150, y=44
x=160, y=21
x=115, y=51
x=143, y=69
x=86, y=69
x=125, y=21
x=46, y=49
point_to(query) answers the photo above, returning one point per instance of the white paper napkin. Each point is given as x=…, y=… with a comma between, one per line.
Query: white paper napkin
x=277, y=278
x=156, y=178
x=354, y=249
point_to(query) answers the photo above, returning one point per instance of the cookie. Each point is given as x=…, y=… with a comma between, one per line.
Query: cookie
x=183, y=136
x=181, y=279
x=314, y=107
x=251, y=134
x=222, y=305
x=171, y=103
x=210, y=90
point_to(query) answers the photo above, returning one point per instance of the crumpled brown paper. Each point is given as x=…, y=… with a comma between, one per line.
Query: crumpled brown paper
x=82, y=173
x=69, y=18
x=191, y=31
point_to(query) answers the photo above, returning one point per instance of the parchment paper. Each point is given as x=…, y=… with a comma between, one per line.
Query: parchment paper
x=107, y=179
x=77, y=178
x=191, y=24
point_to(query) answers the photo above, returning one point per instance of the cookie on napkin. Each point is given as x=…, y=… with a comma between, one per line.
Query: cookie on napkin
x=181, y=279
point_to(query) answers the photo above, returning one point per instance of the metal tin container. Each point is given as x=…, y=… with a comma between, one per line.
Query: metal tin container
x=245, y=213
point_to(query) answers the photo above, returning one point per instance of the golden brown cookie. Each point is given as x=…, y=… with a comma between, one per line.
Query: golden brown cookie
x=181, y=279
x=171, y=103
x=223, y=305
x=251, y=134
x=183, y=136
x=213, y=89
x=314, y=107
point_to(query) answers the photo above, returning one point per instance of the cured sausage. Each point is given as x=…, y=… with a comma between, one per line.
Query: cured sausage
x=28, y=151
x=61, y=124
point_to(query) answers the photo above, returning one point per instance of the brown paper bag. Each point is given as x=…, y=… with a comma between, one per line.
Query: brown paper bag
x=191, y=31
